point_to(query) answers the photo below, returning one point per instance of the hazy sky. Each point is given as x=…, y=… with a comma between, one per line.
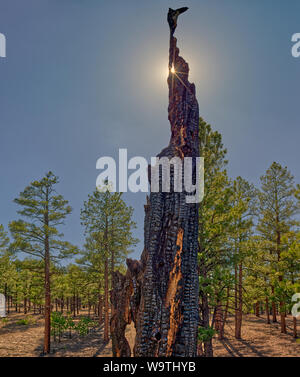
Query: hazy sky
x=85, y=78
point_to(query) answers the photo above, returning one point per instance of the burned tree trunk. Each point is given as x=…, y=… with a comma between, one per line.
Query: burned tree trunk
x=121, y=313
x=168, y=312
x=135, y=273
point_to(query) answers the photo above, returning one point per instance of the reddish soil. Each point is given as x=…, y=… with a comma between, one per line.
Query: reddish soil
x=258, y=339
x=27, y=340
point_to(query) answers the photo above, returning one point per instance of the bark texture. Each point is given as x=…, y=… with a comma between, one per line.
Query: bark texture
x=121, y=313
x=167, y=317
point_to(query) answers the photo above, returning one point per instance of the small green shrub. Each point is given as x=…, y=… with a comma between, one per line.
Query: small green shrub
x=4, y=320
x=83, y=326
x=69, y=324
x=58, y=325
x=205, y=334
x=23, y=322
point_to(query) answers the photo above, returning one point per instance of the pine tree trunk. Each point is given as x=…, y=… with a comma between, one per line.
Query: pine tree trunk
x=106, y=303
x=267, y=310
x=47, y=300
x=222, y=328
x=47, y=285
x=204, y=308
x=273, y=307
x=218, y=317
x=112, y=266
x=282, y=318
x=74, y=305
x=100, y=305
x=238, y=328
x=257, y=307
x=16, y=301
x=106, y=283
x=235, y=300
x=77, y=304
x=112, y=272
x=280, y=278
x=282, y=313
x=6, y=298
x=295, y=335
x=208, y=349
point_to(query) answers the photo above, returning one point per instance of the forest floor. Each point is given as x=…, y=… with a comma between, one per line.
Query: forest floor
x=26, y=340
x=259, y=339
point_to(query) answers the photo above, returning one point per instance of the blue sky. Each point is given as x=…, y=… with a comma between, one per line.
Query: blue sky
x=85, y=78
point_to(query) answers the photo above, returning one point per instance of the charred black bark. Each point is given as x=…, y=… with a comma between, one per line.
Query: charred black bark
x=121, y=313
x=167, y=319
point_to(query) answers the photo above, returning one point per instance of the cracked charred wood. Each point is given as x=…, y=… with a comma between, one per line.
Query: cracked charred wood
x=121, y=313
x=166, y=313
x=135, y=271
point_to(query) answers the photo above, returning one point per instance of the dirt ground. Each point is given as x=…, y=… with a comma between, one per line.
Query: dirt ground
x=259, y=339
x=27, y=340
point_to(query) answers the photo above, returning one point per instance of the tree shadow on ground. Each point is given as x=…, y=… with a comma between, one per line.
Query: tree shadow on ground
x=90, y=345
x=229, y=348
x=13, y=326
x=236, y=350
x=101, y=348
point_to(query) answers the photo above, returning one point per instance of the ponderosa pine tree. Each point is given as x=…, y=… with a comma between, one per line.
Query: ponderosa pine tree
x=4, y=251
x=290, y=262
x=75, y=279
x=277, y=210
x=108, y=226
x=8, y=273
x=214, y=222
x=93, y=262
x=4, y=240
x=224, y=228
x=38, y=233
x=244, y=201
